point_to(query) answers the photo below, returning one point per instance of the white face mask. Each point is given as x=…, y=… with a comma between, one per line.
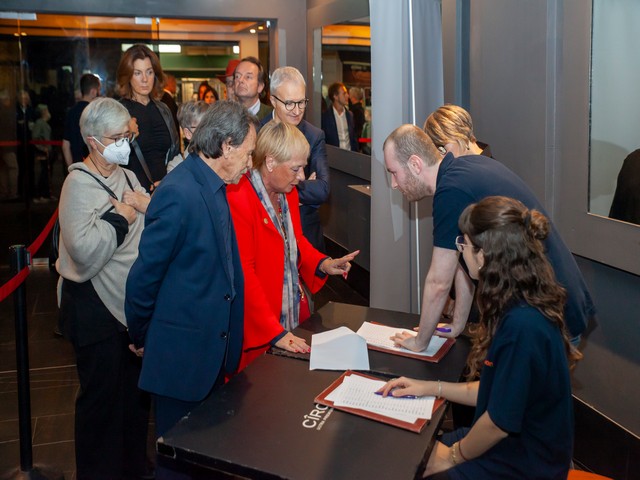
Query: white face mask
x=112, y=153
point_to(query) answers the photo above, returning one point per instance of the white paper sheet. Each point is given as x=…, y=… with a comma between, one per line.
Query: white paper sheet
x=338, y=349
x=359, y=392
x=379, y=336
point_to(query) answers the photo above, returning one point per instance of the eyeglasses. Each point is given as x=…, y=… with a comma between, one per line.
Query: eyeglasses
x=290, y=105
x=460, y=243
x=120, y=139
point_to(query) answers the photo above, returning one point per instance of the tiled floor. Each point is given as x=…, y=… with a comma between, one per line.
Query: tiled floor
x=53, y=378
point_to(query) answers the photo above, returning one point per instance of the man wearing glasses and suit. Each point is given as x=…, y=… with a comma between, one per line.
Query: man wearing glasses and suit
x=289, y=104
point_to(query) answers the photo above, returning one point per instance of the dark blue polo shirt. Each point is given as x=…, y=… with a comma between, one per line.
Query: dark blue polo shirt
x=465, y=180
x=525, y=388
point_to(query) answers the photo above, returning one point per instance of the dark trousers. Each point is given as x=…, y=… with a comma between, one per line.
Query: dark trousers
x=43, y=188
x=26, y=173
x=112, y=414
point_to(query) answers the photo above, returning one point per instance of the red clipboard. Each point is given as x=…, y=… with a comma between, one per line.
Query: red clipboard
x=415, y=427
x=446, y=346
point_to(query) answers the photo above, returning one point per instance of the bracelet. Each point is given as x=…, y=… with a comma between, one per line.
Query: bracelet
x=464, y=459
x=439, y=389
x=454, y=457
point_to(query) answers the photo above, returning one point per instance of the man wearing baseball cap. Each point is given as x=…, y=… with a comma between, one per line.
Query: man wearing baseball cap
x=227, y=78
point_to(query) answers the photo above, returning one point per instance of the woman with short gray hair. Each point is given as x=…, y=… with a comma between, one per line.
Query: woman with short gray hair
x=100, y=228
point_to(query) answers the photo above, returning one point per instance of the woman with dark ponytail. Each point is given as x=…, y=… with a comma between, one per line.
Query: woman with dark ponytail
x=520, y=359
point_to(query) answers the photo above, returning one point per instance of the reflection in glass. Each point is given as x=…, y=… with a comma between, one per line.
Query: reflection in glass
x=43, y=57
x=346, y=58
x=615, y=110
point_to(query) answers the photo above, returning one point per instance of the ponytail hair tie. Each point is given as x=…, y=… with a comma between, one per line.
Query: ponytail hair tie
x=527, y=219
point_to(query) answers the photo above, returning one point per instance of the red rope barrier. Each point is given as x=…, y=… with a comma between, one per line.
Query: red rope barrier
x=57, y=143
x=15, y=143
x=37, y=243
x=8, y=288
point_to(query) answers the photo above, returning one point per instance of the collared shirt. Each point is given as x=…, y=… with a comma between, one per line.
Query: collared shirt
x=343, y=129
x=253, y=109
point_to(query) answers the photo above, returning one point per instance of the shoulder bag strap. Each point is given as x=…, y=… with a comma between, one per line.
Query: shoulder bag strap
x=165, y=113
x=107, y=189
x=142, y=161
x=124, y=170
x=139, y=154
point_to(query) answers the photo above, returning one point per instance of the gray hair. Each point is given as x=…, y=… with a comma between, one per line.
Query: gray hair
x=410, y=140
x=357, y=92
x=103, y=115
x=223, y=121
x=190, y=113
x=286, y=74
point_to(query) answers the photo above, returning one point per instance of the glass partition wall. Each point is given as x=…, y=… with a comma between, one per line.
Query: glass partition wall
x=42, y=58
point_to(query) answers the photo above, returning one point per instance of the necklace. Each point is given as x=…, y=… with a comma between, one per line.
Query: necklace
x=109, y=172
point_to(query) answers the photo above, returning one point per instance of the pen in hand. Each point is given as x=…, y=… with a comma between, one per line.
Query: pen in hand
x=444, y=328
x=401, y=396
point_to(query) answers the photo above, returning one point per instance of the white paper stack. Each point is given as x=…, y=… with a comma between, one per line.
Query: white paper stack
x=338, y=349
x=380, y=336
x=359, y=392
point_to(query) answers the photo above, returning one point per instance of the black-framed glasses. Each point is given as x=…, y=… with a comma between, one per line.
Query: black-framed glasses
x=120, y=139
x=460, y=243
x=289, y=105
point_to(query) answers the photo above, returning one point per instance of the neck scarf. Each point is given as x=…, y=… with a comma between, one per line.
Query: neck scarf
x=281, y=219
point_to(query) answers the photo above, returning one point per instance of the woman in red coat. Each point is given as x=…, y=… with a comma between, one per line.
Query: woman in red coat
x=274, y=253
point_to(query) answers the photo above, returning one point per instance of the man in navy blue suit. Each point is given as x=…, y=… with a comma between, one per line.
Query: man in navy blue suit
x=185, y=292
x=337, y=121
x=289, y=104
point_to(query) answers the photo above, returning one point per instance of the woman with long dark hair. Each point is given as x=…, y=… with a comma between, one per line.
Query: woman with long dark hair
x=523, y=426
x=141, y=79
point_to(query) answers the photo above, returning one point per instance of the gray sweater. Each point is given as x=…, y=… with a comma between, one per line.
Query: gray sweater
x=88, y=245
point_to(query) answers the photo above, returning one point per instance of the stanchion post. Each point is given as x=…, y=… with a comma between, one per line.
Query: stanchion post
x=18, y=260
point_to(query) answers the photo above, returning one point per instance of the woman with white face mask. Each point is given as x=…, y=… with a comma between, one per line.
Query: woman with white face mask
x=101, y=219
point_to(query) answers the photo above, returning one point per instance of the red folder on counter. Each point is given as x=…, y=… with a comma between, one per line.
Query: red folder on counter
x=403, y=352
x=415, y=427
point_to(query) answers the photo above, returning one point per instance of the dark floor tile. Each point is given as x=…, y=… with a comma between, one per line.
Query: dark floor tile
x=44, y=401
x=45, y=353
x=53, y=428
x=8, y=430
x=54, y=400
x=9, y=455
x=58, y=457
x=40, y=378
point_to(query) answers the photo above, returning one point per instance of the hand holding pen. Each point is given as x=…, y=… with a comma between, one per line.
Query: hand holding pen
x=403, y=386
